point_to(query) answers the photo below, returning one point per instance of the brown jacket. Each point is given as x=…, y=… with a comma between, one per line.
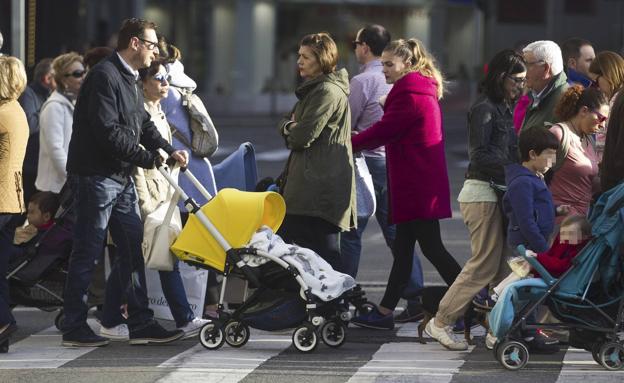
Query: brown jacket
x=13, y=140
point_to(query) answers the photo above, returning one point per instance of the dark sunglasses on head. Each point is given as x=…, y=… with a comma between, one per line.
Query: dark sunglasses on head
x=76, y=73
x=163, y=79
x=355, y=43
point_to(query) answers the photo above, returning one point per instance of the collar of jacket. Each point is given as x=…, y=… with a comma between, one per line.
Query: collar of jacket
x=559, y=80
x=126, y=74
x=504, y=108
x=340, y=78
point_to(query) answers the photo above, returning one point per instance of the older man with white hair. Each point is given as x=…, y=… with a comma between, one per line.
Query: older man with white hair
x=546, y=80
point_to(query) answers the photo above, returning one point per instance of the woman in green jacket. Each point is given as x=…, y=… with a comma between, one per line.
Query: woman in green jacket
x=318, y=183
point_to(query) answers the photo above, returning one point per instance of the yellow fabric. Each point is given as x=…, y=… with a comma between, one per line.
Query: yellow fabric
x=236, y=215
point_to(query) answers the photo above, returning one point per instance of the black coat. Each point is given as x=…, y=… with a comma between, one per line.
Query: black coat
x=110, y=122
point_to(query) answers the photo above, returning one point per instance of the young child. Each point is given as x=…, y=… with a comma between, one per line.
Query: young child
x=41, y=209
x=574, y=233
x=529, y=206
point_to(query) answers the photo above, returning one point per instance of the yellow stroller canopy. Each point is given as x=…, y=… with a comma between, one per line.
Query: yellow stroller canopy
x=237, y=215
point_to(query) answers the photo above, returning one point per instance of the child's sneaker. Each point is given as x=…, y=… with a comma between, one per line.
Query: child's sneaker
x=375, y=320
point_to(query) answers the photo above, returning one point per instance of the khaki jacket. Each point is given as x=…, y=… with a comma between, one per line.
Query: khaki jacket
x=320, y=180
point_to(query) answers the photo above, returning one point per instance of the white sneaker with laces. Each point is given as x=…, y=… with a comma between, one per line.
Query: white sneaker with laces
x=490, y=341
x=193, y=327
x=119, y=332
x=445, y=336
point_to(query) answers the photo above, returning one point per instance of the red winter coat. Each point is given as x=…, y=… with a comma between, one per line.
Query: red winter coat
x=558, y=259
x=411, y=130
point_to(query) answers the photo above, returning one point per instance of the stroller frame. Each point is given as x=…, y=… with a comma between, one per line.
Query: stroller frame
x=513, y=354
x=229, y=327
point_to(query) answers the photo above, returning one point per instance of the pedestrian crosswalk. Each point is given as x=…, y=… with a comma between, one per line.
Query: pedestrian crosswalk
x=368, y=356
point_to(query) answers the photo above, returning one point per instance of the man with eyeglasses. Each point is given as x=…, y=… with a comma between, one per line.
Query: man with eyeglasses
x=110, y=125
x=366, y=89
x=546, y=81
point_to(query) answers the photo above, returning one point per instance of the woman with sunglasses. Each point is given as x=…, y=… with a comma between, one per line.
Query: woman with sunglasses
x=583, y=112
x=152, y=191
x=55, y=122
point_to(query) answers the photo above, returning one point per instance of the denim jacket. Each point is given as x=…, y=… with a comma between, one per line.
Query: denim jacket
x=492, y=141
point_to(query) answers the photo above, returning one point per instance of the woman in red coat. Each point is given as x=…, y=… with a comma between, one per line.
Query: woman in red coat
x=411, y=130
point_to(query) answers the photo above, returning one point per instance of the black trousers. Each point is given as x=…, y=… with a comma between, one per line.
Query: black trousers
x=427, y=233
x=314, y=233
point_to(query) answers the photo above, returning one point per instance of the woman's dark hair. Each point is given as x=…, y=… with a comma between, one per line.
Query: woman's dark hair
x=376, y=37
x=503, y=64
x=145, y=73
x=576, y=97
x=168, y=53
x=95, y=55
x=538, y=139
x=612, y=166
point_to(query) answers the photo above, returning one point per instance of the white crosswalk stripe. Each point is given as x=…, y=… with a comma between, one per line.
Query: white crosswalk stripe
x=579, y=366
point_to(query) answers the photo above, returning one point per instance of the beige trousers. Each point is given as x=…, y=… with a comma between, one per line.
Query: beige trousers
x=487, y=263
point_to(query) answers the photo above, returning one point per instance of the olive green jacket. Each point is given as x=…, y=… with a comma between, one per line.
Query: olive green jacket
x=319, y=178
x=543, y=109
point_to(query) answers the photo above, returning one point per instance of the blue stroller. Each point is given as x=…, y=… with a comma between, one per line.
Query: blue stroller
x=588, y=299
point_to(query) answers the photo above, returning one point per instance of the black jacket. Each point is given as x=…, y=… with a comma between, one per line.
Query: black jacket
x=492, y=141
x=31, y=101
x=110, y=122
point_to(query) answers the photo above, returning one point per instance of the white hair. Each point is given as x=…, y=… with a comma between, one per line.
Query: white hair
x=548, y=52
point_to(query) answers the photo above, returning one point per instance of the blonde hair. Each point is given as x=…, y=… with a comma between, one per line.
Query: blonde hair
x=581, y=221
x=324, y=49
x=417, y=59
x=12, y=78
x=61, y=64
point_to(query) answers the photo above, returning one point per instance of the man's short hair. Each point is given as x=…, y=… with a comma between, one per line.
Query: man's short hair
x=42, y=68
x=132, y=28
x=536, y=138
x=376, y=37
x=571, y=48
x=47, y=202
x=548, y=52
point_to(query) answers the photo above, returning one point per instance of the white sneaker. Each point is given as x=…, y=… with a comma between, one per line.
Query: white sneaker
x=445, y=336
x=119, y=332
x=193, y=327
x=490, y=340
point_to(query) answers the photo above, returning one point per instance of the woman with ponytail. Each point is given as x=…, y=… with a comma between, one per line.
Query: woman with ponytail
x=583, y=112
x=411, y=130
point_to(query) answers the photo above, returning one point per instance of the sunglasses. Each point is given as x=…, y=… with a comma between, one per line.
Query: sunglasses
x=601, y=118
x=517, y=80
x=76, y=74
x=355, y=43
x=163, y=79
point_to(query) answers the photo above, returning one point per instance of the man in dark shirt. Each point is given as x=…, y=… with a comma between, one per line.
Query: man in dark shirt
x=36, y=93
x=110, y=125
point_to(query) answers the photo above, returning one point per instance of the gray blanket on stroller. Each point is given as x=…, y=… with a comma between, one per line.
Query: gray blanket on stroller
x=325, y=282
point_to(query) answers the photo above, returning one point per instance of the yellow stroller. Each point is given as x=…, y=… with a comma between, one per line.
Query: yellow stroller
x=216, y=237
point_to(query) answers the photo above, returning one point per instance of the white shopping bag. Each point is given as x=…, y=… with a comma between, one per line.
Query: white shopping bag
x=366, y=203
x=194, y=281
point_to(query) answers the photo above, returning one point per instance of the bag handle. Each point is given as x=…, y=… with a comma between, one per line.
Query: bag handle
x=173, y=203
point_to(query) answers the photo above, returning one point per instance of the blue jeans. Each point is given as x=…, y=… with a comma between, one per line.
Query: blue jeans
x=173, y=289
x=7, y=230
x=351, y=242
x=105, y=204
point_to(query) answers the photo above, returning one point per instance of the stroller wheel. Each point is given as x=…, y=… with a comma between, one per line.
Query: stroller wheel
x=612, y=356
x=512, y=355
x=211, y=336
x=304, y=338
x=334, y=333
x=236, y=333
x=58, y=321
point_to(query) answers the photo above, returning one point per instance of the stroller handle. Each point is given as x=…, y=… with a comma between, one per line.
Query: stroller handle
x=549, y=279
x=192, y=206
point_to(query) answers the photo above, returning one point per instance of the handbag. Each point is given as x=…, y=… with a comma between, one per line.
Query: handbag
x=204, y=137
x=366, y=203
x=161, y=228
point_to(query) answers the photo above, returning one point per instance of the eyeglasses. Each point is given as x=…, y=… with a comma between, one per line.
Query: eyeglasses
x=76, y=74
x=150, y=45
x=355, y=43
x=517, y=80
x=163, y=79
x=601, y=118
